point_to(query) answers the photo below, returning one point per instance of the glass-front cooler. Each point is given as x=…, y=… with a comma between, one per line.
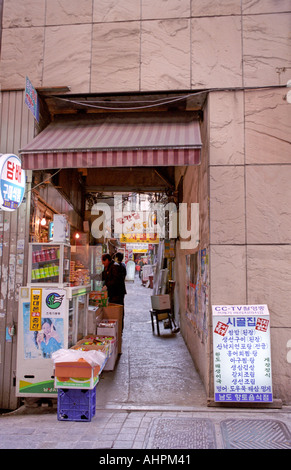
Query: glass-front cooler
x=78, y=299
x=49, y=263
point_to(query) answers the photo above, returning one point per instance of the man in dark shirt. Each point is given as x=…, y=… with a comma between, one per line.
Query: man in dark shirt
x=114, y=280
x=119, y=260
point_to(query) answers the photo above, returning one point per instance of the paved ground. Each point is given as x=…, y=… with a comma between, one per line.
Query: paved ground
x=154, y=399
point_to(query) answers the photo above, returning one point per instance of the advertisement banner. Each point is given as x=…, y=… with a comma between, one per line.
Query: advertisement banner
x=31, y=99
x=35, y=309
x=43, y=322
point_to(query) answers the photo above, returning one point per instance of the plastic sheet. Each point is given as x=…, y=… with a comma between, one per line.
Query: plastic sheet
x=93, y=357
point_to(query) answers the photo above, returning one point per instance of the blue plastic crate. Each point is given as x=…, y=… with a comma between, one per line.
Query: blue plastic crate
x=76, y=404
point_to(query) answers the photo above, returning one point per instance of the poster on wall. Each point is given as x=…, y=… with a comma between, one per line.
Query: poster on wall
x=242, y=353
x=49, y=337
x=204, y=292
x=192, y=288
x=197, y=292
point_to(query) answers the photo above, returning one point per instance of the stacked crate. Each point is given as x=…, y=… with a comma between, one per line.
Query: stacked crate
x=76, y=383
x=76, y=404
x=76, y=380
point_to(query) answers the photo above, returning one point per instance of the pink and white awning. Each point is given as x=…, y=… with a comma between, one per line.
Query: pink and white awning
x=114, y=142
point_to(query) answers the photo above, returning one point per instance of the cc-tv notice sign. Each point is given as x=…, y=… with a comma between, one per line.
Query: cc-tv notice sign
x=242, y=353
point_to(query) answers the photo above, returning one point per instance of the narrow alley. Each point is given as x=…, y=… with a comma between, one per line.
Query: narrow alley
x=152, y=371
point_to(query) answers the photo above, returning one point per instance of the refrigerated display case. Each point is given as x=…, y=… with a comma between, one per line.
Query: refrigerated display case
x=49, y=319
x=49, y=263
x=51, y=315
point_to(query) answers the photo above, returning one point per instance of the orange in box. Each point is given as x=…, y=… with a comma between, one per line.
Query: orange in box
x=87, y=345
x=75, y=370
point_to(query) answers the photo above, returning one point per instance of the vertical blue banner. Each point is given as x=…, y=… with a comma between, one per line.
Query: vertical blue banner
x=31, y=99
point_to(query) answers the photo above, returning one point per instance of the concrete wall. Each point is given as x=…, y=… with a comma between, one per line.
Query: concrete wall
x=107, y=46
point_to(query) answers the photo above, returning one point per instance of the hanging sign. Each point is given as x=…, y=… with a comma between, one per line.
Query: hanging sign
x=12, y=182
x=242, y=353
x=31, y=99
x=138, y=247
x=139, y=238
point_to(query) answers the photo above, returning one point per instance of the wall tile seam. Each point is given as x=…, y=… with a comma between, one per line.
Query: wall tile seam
x=250, y=244
x=91, y=53
x=140, y=50
x=187, y=17
x=211, y=165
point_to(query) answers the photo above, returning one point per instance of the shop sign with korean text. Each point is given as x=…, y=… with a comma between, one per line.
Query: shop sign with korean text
x=12, y=182
x=31, y=99
x=139, y=238
x=242, y=353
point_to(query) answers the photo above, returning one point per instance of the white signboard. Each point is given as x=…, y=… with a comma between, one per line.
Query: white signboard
x=242, y=353
x=12, y=182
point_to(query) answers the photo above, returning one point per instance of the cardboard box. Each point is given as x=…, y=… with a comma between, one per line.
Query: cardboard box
x=160, y=302
x=92, y=321
x=84, y=384
x=76, y=369
x=98, y=298
x=87, y=344
x=76, y=374
x=114, y=312
x=110, y=341
x=108, y=328
x=163, y=316
x=111, y=360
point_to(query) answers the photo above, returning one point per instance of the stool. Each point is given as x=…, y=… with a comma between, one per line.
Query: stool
x=160, y=315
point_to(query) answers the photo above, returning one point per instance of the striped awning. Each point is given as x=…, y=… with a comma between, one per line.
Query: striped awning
x=114, y=142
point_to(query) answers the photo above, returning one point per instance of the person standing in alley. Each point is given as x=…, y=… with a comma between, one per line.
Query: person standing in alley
x=119, y=260
x=114, y=281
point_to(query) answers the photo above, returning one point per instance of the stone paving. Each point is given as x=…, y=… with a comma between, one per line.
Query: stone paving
x=148, y=402
x=118, y=429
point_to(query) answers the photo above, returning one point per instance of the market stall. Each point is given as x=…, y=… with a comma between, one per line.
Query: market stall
x=67, y=334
